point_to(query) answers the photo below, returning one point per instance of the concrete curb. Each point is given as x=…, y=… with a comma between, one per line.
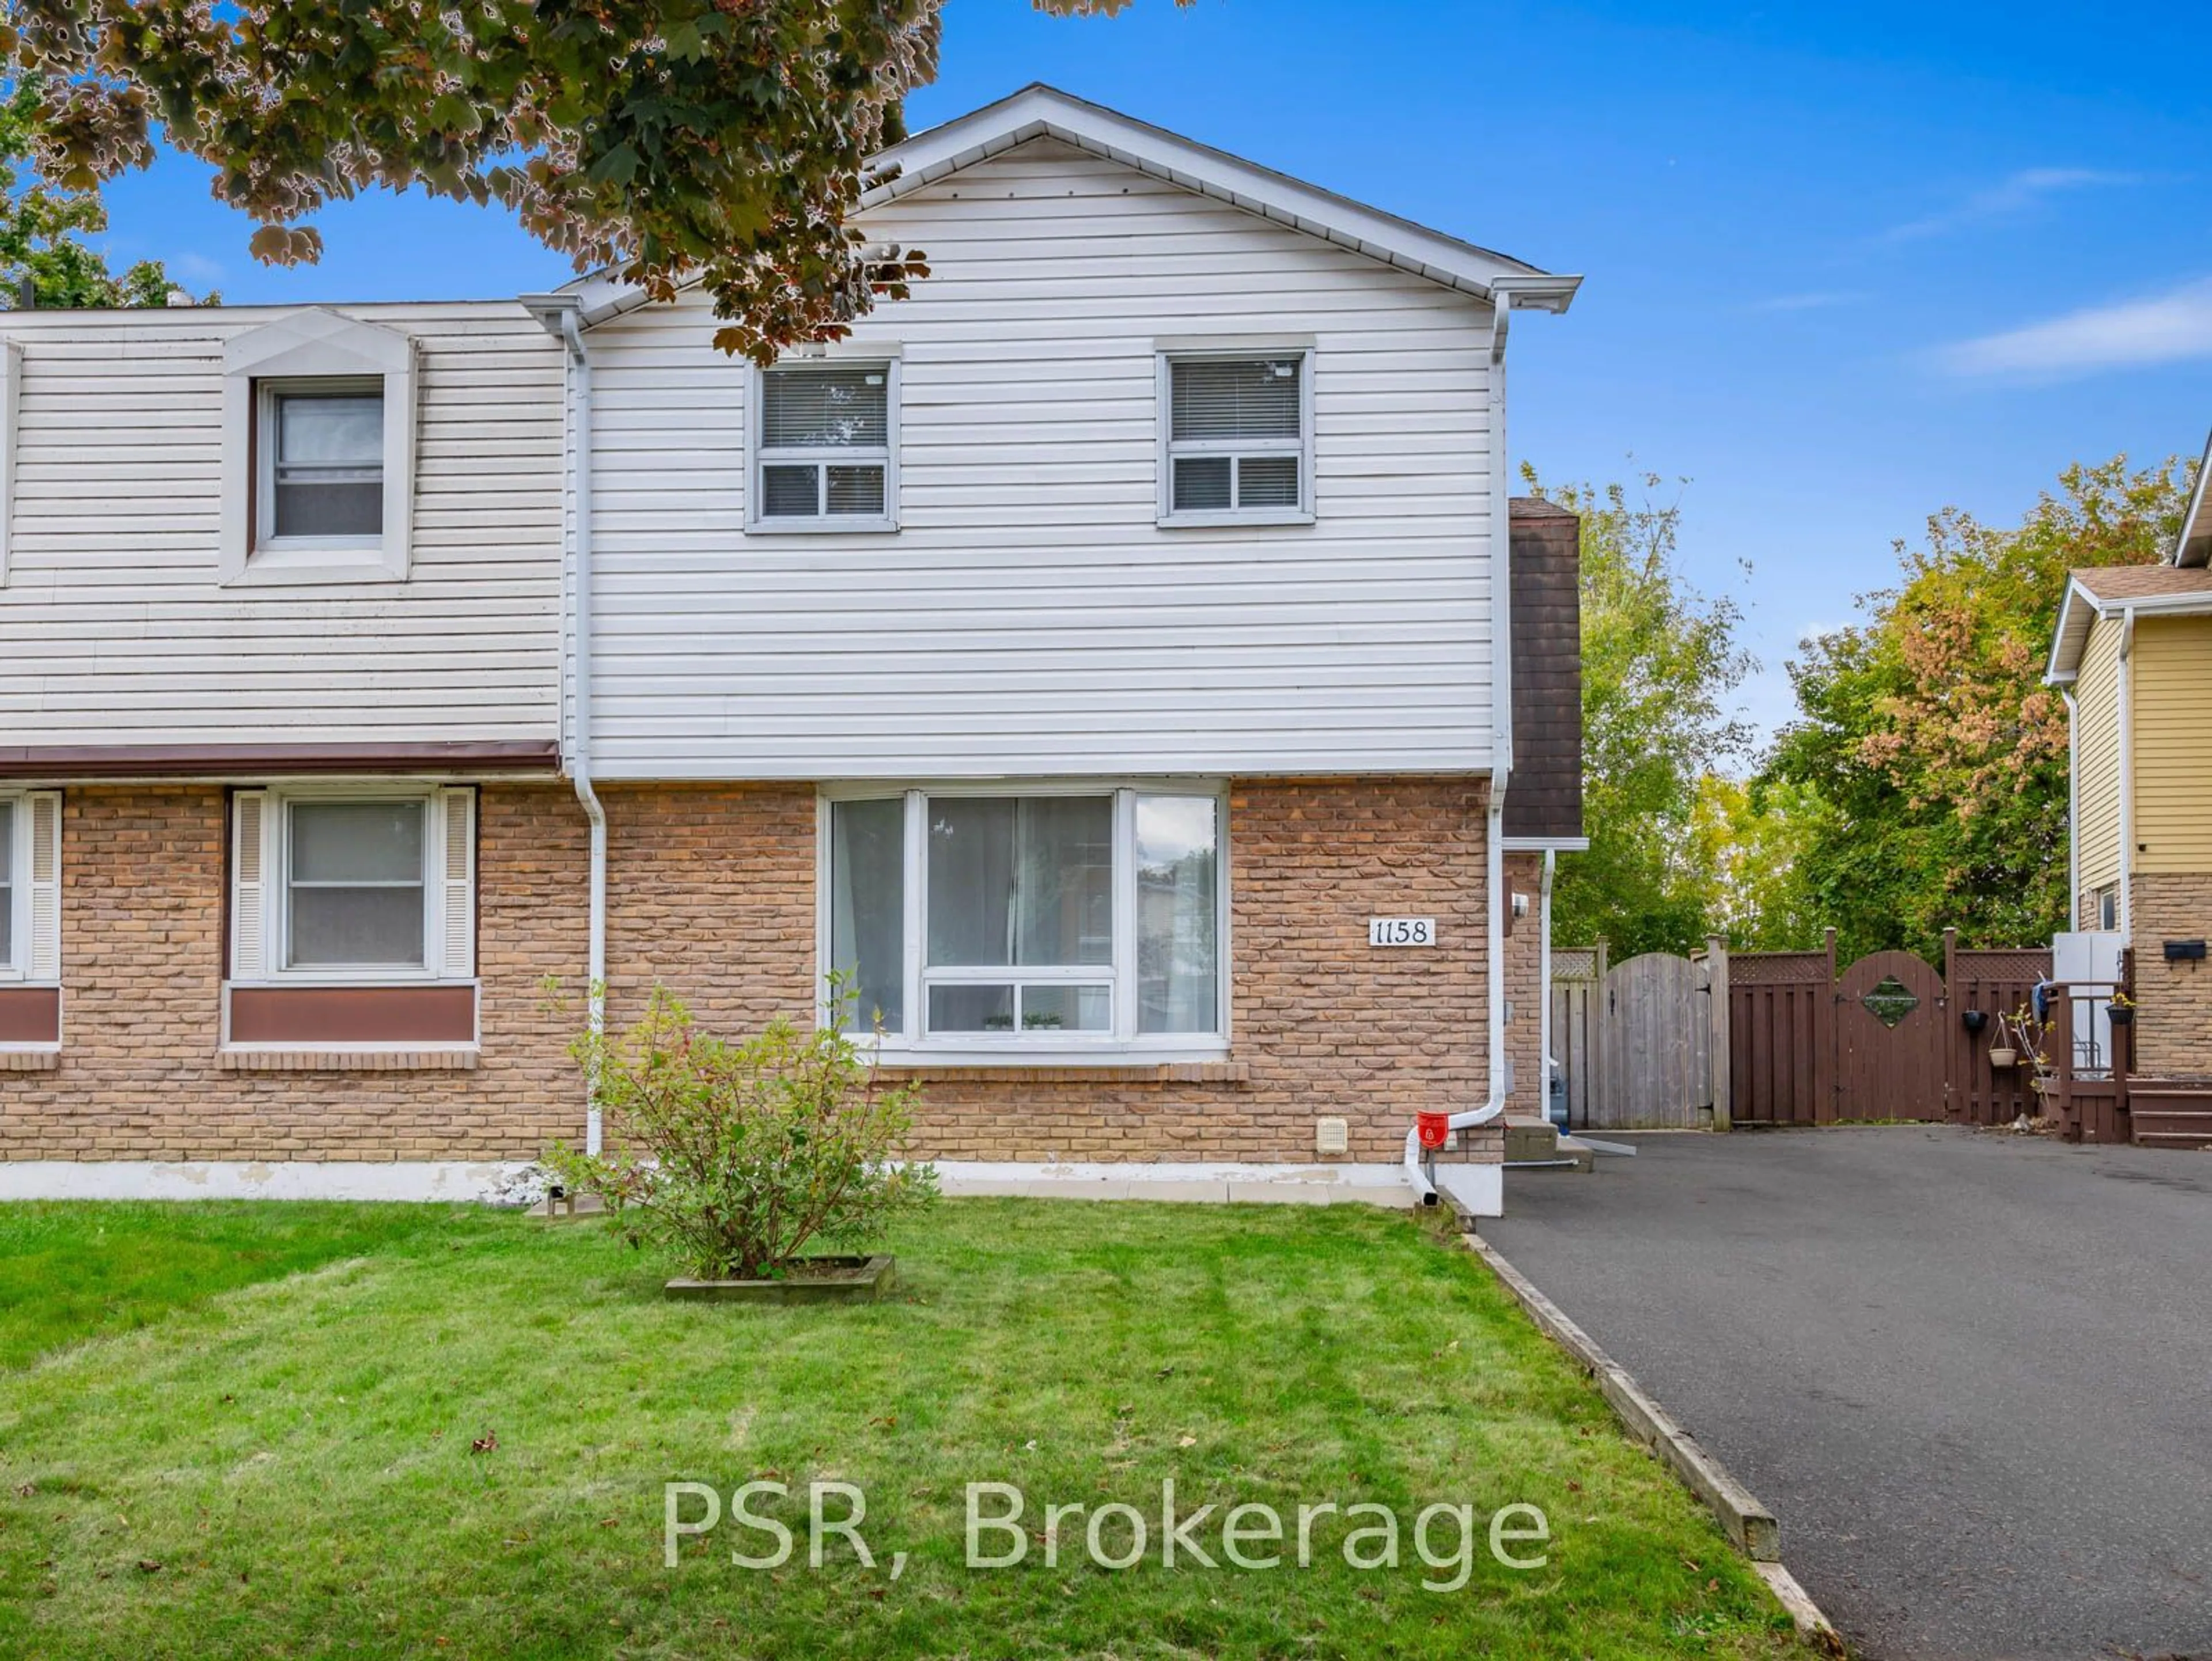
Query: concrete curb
x=1742, y=1518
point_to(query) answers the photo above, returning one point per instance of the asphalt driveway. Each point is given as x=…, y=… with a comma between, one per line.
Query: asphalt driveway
x=1971, y=1374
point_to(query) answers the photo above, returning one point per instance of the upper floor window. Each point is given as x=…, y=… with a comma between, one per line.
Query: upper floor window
x=824, y=444
x=319, y=439
x=321, y=446
x=1236, y=439
x=30, y=885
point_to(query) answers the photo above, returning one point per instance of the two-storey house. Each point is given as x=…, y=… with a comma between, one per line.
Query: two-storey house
x=1117, y=662
x=2133, y=653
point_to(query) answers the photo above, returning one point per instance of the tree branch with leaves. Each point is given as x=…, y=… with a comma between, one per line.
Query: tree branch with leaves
x=724, y=140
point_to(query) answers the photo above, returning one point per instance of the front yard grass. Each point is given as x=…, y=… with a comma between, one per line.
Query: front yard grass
x=449, y=1434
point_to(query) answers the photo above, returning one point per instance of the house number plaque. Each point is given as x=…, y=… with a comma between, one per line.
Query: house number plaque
x=1401, y=930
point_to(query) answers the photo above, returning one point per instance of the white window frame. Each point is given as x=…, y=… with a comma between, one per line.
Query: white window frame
x=1169, y=449
x=22, y=967
x=1122, y=1045
x=17, y=966
x=278, y=801
x=759, y=457
x=308, y=351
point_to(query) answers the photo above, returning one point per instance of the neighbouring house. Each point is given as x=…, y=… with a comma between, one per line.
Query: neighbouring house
x=1119, y=659
x=2133, y=652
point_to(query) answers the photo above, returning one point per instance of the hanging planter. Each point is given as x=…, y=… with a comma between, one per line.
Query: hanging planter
x=2001, y=1058
x=2121, y=1014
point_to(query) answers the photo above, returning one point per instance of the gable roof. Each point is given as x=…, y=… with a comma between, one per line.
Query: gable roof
x=1039, y=111
x=2193, y=546
x=2152, y=589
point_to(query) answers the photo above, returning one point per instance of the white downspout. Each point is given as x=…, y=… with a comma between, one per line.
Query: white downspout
x=1501, y=761
x=1544, y=982
x=579, y=760
x=2127, y=777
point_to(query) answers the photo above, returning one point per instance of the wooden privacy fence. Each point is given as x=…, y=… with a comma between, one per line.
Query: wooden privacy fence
x=1783, y=1038
x=1634, y=1040
x=1888, y=1036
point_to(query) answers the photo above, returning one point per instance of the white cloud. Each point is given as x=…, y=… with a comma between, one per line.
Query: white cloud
x=195, y=267
x=2012, y=196
x=2174, y=327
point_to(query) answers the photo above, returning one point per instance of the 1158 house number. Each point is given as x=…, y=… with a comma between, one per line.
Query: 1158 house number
x=1401, y=930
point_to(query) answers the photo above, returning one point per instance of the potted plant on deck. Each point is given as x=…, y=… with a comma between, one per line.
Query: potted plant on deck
x=733, y=1158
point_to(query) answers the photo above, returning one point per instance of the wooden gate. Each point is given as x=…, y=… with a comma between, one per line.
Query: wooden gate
x=1892, y=1020
x=1888, y=1038
x=1655, y=1049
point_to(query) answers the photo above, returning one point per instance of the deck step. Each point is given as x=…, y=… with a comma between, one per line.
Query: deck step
x=2174, y=1138
x=1536, y=1143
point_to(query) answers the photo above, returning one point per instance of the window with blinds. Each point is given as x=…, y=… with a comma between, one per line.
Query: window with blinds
x=823, y=443
x=1238, y=439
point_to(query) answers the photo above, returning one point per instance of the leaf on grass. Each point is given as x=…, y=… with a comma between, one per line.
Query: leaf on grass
x=147, y=1565
x=485, y=1443
x=1187, y=1442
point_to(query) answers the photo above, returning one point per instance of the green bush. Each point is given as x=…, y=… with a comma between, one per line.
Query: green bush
x=733, y=1158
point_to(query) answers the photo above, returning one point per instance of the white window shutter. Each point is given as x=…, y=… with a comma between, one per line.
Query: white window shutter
x=45, y=962
x=249, y=885
x=457, y=893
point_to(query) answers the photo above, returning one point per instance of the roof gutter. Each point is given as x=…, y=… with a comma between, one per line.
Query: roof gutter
x=560, y=315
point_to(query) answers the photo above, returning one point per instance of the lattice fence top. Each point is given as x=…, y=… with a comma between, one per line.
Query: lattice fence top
x=1777, y=968
x=1574, y=963
x=2015, y=965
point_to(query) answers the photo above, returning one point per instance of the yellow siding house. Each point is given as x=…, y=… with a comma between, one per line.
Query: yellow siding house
x=2134, y=655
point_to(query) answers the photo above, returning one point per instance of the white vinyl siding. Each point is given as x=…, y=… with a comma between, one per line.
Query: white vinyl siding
x=1031, y=617
x=115, y=627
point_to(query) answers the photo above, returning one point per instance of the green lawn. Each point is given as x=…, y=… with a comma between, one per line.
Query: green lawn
x=255, y=1430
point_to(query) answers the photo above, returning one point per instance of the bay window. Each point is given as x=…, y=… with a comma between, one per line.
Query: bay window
x=1089, y=919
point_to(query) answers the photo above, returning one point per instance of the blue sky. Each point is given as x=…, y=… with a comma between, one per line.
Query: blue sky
x=1846, y=265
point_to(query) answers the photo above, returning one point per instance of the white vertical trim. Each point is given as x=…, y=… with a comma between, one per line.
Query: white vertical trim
x=913, y=894
x=11, y=398
x=249, y=885
x=1124, y=1022
x=43, y=828
x=456, y=885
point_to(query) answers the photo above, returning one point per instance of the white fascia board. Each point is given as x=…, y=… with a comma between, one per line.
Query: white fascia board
x=2075, y=613
x=2076, y=620
x=1544, y=844
x=2193, y=546
x=1040, y=112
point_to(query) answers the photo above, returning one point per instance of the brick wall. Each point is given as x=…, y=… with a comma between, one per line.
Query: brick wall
x=712, y=892
x=2174, y=1030
x=142, y=964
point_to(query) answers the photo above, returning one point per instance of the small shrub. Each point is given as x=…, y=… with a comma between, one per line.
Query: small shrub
x=733, y=1159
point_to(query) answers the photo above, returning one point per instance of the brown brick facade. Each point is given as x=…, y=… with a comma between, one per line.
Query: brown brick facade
x=2173, y=1028
x=712, y=892
x=1524, y=967
x=140, y=1077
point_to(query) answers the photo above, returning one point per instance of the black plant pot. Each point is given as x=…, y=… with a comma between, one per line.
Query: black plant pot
x=2121, y=1017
